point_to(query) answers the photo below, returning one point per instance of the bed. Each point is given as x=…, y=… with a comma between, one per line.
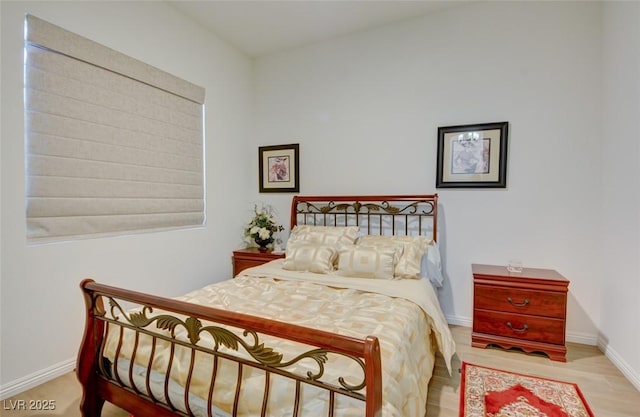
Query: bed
x=347, y=324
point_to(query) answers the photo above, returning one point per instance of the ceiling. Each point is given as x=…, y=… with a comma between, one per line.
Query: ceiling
x=265, y=27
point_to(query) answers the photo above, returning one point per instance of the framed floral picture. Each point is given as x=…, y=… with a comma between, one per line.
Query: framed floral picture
x=279, y=168
x=472, y=156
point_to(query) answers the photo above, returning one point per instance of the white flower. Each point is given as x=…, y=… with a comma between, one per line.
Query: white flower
x=261, y=227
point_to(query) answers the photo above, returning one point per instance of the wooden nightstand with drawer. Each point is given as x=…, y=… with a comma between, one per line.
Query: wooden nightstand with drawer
x=250, y=257
x=526, y=310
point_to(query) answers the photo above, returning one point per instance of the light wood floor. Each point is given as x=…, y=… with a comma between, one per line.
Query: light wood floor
x=606, y=390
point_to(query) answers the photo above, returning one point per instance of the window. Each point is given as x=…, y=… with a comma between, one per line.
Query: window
x=113, y=145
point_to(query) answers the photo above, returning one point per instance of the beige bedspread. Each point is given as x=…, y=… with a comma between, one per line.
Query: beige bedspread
x=403, y=314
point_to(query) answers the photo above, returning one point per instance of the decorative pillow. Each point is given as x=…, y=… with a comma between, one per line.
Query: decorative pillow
x=366, y=262
x=431, y=267
x=327, y=235
x=306, y=256
x=414, y=248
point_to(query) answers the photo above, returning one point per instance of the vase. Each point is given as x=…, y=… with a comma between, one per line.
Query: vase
x=262, y=244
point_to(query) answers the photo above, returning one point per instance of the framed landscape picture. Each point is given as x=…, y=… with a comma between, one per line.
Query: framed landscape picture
x=279, y=168
x=472, y=156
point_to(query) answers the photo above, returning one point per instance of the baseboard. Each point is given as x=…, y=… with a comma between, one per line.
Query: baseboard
x=620, y=363
x=582, y=338
x=33, y=380
x=459, y=321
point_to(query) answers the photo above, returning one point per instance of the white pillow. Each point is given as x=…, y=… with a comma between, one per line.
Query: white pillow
x=414, y=248
x=305, y=256
x=366, y=262
x=431, y=267
x=327, y=235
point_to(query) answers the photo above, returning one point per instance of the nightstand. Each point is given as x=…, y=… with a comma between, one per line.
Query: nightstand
x=527, y=310
x=247, y=258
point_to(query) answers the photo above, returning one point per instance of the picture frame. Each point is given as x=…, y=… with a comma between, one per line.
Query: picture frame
x=472, y=156
x=279, y=168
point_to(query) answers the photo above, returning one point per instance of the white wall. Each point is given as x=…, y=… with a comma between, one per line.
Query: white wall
x=366, y=108
x=621, y=153
x=41, y=305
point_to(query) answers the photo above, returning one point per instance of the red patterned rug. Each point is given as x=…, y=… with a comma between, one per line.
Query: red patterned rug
x=487, y=392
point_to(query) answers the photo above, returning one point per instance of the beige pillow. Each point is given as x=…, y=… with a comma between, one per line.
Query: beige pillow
x=327, y=235
x=414, y=248
x=366, y=262
x=305, y=256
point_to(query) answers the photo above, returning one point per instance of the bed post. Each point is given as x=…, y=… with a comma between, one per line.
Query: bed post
x=88, y=355
x=435, y=217
x=293, y=218
x=373, y=376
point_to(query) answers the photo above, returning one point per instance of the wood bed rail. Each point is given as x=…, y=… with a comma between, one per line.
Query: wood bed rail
x=101, y=381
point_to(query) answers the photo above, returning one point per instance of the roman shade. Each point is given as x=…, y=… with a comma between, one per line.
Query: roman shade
x=113, y=145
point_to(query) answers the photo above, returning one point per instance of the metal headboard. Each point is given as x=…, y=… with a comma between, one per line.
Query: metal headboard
x=376, y=215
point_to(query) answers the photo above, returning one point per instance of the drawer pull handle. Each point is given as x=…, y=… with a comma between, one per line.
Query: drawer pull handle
x=524, y=329
x=526, y=301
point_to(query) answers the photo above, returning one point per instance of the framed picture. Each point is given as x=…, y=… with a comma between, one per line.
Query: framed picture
x=472, y=156
x=279, y=168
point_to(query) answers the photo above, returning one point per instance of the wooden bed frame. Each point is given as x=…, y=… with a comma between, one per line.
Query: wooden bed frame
x=101, y=381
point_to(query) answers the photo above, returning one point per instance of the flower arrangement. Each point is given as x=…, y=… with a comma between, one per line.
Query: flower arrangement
x=261, y=228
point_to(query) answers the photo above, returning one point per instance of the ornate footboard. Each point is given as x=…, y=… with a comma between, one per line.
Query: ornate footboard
x=119, y=360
